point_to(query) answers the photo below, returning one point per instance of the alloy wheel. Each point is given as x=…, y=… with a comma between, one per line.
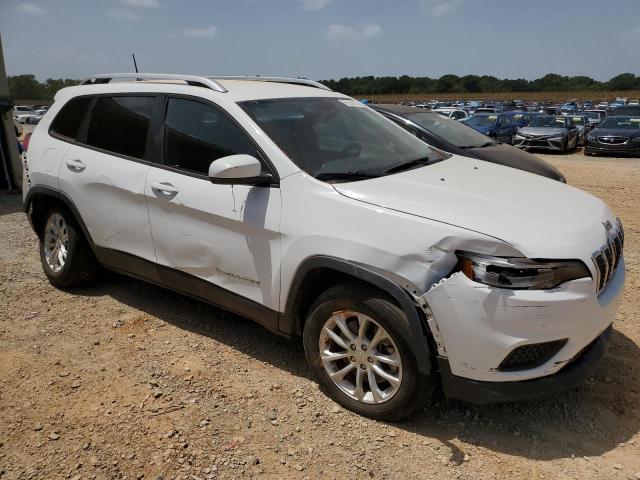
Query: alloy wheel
x=56, y=242
x=360, y=357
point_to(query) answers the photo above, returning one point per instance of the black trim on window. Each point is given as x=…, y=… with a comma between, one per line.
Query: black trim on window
x=260, y=155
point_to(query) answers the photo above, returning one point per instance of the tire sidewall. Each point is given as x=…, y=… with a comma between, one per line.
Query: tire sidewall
x=393, y=320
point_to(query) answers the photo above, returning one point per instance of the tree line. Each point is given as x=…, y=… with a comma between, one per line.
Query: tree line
x=479, y=84
x=27, y=87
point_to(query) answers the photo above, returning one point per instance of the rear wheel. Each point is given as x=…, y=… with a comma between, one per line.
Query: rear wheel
x=66, y=257
x=356, y=342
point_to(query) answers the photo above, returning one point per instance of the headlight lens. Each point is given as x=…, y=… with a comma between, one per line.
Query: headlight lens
x=519, y=273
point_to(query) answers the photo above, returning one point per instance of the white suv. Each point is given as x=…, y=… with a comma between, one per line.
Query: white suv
x=401, y=267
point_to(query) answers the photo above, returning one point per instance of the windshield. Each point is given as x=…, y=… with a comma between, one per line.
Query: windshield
x=481, y=120
x=594, y=115
x=621, y=122
x=547, y=121
x=449, y=130
x=324, y=136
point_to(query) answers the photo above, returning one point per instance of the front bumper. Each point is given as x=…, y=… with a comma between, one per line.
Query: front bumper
x=628, y=148
x=482, y=393
x=477, y=327
x=555, y=143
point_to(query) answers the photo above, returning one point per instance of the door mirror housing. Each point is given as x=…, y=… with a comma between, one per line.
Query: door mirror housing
x=238, y=170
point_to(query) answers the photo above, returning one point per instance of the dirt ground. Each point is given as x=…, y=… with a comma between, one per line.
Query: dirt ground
x=126, y=380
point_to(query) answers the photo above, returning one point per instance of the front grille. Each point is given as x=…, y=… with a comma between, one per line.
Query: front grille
x=525, y=357
x=610, y=140
x=606, y=259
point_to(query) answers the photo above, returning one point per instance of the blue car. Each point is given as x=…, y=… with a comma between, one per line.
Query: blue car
x=500, y=126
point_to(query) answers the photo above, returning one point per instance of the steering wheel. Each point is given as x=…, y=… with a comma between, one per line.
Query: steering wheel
x=352, y=150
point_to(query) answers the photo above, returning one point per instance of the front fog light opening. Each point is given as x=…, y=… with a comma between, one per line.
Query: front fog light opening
x=519, y=273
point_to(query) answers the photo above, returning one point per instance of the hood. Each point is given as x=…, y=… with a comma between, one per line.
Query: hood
x=537, y=131
x=615, y=132
x=539, y=217
x=509, y=156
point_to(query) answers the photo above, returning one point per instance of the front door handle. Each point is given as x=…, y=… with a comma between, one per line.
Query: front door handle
x=76, y=164
x=164, y=188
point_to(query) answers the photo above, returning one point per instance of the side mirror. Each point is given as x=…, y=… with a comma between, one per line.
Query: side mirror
x=238, y=170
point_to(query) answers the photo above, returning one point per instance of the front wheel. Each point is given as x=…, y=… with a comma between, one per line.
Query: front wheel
x=357, y=344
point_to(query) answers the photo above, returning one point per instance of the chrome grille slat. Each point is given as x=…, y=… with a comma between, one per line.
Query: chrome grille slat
x=606, y=259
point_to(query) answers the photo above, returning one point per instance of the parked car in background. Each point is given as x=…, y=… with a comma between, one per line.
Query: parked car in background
x=582, y=124
x=634, y=102
x=455, y=137
x=22, y=112
x=631, y=110
x=36, y=117
x=595, y=116
x=618, y=135
x=498, y=126
x=549, y=132
x=603, y=105
x=454, y=113
x=522, y=119
x=488, y=110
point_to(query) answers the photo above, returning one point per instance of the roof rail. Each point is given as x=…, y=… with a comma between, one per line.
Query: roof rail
x=193, y=80
x=258, y=78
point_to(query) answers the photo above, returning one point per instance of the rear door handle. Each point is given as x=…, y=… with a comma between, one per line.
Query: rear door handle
x=164, y=188
x=76, y=164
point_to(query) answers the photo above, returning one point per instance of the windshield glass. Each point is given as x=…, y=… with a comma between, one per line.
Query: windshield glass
x=481, y=120
x=547, y=121
x=621, y=122
x=449, y=130
x=336, y=135
x=594, y=115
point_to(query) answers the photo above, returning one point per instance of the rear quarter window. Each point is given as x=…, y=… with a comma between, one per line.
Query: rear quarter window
x=67, y=122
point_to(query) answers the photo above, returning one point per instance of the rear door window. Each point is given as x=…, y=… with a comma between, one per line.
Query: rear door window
x=119, y=124
x=67, y=122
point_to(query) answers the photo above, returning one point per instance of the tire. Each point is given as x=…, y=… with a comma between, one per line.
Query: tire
x=355, y=303
x=79, y=265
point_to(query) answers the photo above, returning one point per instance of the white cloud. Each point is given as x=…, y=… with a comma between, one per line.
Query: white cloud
x=142, y=3
x=204, y=32
x=314, y=4
x=31, y=8
x=438, y=8
x=351, y=32
x=124, y=14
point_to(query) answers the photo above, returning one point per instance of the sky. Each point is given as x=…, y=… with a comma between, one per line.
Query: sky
x=322, y=39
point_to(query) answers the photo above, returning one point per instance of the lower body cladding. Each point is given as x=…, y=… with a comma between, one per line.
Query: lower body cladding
x=558, y=144
x=502, y=345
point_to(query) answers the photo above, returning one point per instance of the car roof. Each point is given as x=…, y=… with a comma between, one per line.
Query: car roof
x=237, y=90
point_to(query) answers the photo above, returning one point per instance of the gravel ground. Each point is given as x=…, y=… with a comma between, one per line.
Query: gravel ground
x=126, y=380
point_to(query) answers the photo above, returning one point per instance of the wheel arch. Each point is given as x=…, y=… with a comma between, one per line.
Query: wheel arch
x=318, y=273
x=40, y=199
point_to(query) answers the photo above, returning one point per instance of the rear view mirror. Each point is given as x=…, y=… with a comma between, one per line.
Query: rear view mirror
x=239, y=170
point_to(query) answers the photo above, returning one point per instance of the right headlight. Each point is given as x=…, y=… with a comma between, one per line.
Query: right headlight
x=519, y=273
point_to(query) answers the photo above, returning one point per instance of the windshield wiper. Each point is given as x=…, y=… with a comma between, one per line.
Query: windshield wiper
x=359, y=175
x=407, y=165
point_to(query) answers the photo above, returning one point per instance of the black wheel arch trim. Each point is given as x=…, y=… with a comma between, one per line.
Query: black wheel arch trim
x=291, y=324
x=58, y=195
